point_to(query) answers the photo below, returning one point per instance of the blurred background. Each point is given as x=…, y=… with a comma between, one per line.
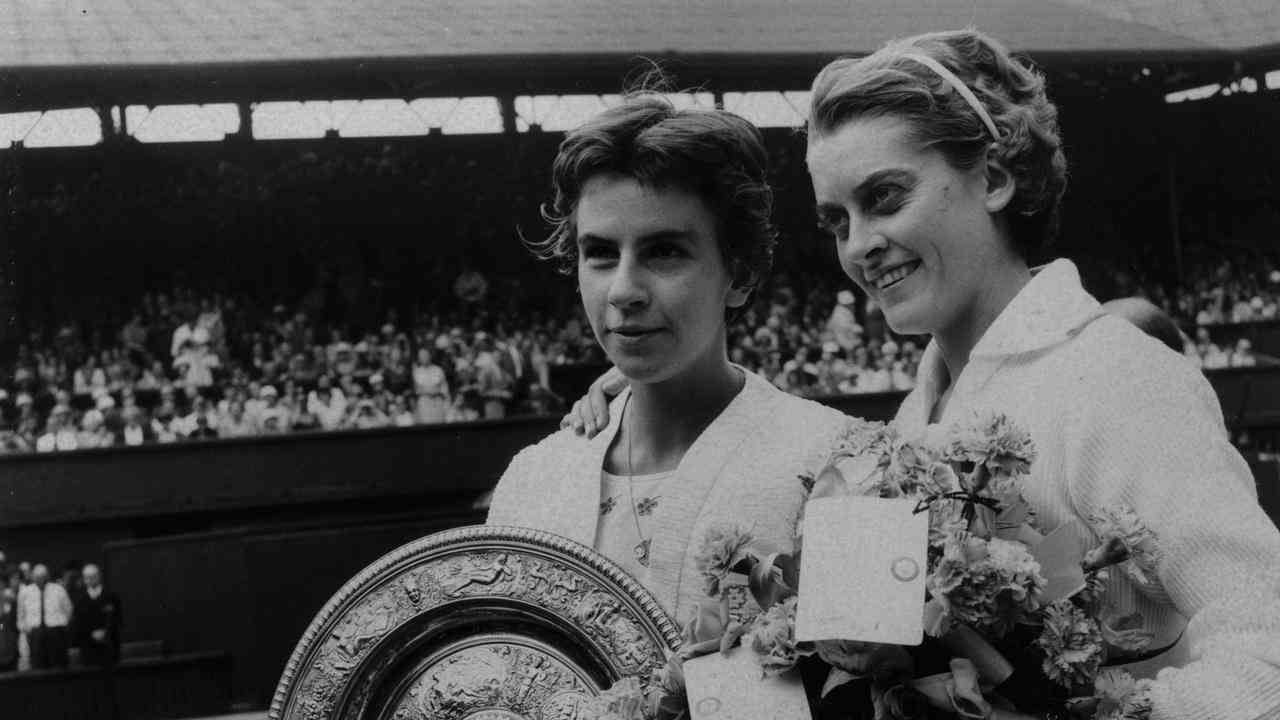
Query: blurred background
x=265, y=313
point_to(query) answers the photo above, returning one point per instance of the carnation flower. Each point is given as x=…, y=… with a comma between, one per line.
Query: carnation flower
x=1120, y=697
x=993, y=442
x=723, y=546
x=860, y=437
x=914, y=469
x=1121, y=522
x=773, y=638
x=989, y=584
x=1072, y=645
x=626, y=700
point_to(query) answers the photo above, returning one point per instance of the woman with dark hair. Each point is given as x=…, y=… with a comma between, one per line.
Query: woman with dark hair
x=938, y=169
x=663, y=215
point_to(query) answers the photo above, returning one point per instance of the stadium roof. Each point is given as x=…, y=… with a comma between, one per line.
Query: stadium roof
x=56, y=52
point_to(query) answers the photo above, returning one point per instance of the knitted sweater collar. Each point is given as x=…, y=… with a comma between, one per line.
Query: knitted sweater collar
x=1049, y=310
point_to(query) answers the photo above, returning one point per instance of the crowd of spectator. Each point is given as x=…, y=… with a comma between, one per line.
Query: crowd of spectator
x=391, y=332
x=1221, y=293
x=48, y=622
x=186, y=366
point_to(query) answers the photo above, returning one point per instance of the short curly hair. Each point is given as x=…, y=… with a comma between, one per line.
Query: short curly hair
x=714, y=154
x=889, y=83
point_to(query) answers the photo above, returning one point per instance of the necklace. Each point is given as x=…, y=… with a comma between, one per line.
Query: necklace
x=641, y=549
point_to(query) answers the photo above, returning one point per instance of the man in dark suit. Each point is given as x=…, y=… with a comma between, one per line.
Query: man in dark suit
x=97, y=620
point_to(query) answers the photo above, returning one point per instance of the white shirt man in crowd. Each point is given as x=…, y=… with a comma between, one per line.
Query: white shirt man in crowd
x=327, y=403
x=44, y=616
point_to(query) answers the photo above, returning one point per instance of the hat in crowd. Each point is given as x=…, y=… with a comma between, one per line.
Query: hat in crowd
x=442, y=342
x=844, y=297
x=830, y=347
x=1256, y=303
x=362, y=347
x=23, y=399
x=388, y=329
x=105, y=402
x=343, y=346
x=60, y=409
x=889, y=348
x=268, y=390
x=376, y=379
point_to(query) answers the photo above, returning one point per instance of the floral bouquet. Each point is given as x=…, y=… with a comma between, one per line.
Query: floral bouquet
x=1001, y=639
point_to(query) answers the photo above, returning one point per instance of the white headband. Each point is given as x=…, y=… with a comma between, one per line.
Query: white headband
x=959, y=87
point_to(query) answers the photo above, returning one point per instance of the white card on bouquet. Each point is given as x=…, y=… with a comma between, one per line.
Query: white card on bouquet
x=862, y=571
x=733, y=687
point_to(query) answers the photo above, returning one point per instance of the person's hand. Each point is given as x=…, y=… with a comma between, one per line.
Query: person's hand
x=590, y=413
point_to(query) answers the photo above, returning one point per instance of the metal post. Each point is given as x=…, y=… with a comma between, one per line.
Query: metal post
x=507, y=105
x=1174, y=221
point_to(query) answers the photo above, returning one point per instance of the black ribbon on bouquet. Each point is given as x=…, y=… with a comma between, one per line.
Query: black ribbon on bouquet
x=969, y=499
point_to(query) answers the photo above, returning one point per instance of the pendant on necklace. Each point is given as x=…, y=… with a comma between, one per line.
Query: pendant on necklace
x=642, y=552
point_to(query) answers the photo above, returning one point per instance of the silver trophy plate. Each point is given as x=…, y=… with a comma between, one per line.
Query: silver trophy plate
x=476, y=623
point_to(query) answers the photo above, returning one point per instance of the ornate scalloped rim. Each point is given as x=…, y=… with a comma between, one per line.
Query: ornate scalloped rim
x=362, y=583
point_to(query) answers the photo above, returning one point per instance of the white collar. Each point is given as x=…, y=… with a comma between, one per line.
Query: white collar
x=1050, y=309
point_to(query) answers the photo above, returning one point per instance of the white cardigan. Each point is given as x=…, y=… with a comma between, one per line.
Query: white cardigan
x=1121, y=421
x=744, y=468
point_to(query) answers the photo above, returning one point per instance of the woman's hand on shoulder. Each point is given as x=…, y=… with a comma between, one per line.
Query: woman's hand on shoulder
x=590, y=413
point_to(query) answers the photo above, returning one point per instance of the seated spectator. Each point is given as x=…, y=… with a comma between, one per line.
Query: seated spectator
x=272, y=418
x=8, y=624
x=162, y=424
x=133, y=339
x=399, y=413
x=11, y=440
x=1243, y=355
x=879, y=379
x=182, y=334
x=202, y=414
x=235, y=422
x=196, y=361
x=93, y=431
x=60, y=433
x=202, y=429
x=327, y=403
x=842, y=324
x=367, y=415
x=135, y=431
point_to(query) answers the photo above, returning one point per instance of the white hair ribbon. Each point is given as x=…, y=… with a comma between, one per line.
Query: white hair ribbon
x=959, y=87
